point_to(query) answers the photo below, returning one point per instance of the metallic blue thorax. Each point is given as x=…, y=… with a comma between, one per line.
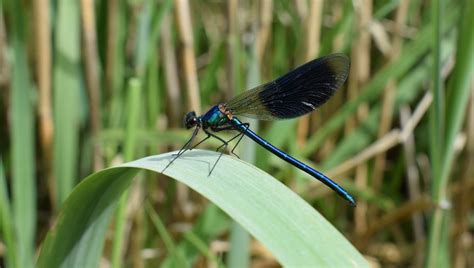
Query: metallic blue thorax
x=214, y=117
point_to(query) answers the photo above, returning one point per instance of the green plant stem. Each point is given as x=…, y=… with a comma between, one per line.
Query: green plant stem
x=66, y=99
x=456, y=106
x=436, y=118
x=178, y=258
x=22, y=141
x=133, y=97
x=203, y=248
x=6, y=222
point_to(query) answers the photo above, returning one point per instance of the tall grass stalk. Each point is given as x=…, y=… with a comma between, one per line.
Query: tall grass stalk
x=458, y=96
x=132, y=123
x=7, y=229
x=177, y=256
x=67, y=99
x=22, y=141
x=437, y=108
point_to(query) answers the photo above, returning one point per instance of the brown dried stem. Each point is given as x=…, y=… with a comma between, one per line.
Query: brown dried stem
x=92, y=73
x=413, y=178
x=43, y=76
x=464, y=201
x=360, y=73
x=389, y=94
x=183, y=18
x=312, y=26
x=232, y=64
x=111, y=47
x=265, y=28
x=171, y=73
x=402, y=212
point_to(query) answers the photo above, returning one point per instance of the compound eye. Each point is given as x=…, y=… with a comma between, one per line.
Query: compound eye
x=190, y=120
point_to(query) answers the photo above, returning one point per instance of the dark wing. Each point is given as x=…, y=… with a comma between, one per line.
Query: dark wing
x=295, y=93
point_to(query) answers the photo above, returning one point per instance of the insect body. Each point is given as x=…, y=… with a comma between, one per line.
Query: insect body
x=294, y=94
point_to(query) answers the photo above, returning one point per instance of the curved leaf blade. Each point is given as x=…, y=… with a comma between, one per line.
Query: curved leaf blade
x=291, y=229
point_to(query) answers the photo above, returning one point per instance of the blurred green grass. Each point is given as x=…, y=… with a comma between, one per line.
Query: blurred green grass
x=141, y=43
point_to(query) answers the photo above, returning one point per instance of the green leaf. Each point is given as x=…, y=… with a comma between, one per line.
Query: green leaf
x=458, y=96
x=6, y=222
x=290, y=228
x=22, y=140
x=66, y=98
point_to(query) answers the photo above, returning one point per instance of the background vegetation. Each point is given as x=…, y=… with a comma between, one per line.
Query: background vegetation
x=89, y=84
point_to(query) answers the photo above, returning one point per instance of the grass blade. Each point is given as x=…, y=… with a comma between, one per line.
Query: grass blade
x=456, y=105
x=6, y=224
x=22, y=142
x=210, y=224
x=178, y=258
x=79, y=233
x=133, y=112
x=66, y=99
x=261, y=204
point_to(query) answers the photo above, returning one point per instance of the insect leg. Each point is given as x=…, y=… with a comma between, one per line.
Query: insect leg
x=224, y=145
x=208, y=136
x=184, y=148
x=241, y=134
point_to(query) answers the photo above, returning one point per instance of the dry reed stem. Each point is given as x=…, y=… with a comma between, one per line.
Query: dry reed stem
x=404, y=211
x=405, y=32
x=381, y=38
x=414, y=191
x=360, y=74
x=338, y=41
x=312, y=24
x=133, y=206
x=337, y=100
x=92, y=73
x=112, y=22
x=264, y=29
x=425, y=170
x=136, y=223
x=43, y=73
x=183, y=18
x=464, y=199
x=232, y=42
x=301, y=8
x=389, y=95
x=171, y=73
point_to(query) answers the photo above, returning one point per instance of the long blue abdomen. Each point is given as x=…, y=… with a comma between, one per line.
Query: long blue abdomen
x=302, y=166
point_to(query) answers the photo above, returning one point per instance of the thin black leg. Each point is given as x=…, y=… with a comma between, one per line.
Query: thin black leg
x=187, y=144
x=241, y=134
x=220, y=155
x=213, y=135
x=224, y=144
x=184, y=148
x=196, y=145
